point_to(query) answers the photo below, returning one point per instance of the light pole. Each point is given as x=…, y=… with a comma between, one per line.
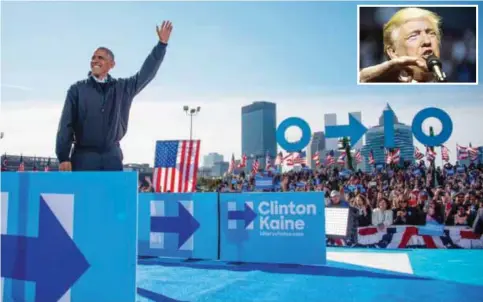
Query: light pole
x=191, y=112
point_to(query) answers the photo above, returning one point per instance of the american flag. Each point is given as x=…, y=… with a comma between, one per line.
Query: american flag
x=231, y=168
x=393, y=157
x=396, y=156
x=445, y=153
x=372, y=161
x=473, y=153
x=418, y=154
x=243, y=162
x=288, y=159
x=255, y=166
x=341, y=159
x=268, y=161
x=316, y=158
x=300, y=158
x=461, y=152
x=430, y=154
x=176, y=165
x=358, y=156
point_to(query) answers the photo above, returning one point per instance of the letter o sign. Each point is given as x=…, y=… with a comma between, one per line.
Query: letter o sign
x=295, y=146
x=437, y=140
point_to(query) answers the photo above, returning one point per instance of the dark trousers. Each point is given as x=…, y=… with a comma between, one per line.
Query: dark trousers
x=91, y=160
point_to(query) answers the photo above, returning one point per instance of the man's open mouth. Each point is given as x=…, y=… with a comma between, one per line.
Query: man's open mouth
x=427, y=53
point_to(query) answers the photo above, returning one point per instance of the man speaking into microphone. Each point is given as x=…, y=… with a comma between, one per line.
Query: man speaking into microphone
x=96, y=110
x=412, y=39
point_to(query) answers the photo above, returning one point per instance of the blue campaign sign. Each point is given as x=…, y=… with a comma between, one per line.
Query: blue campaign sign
x=182, y=225
x=273, y=227
x=68, y=236
x=431, y=228
x=262, y=182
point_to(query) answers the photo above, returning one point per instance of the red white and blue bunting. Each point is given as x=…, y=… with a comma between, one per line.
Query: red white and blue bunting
x=399, y=237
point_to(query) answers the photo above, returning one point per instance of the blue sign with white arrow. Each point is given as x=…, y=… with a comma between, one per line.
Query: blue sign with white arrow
x=69, y=236
x=53, y=253
x=184, y=224
x=179, y=225
x=355, y=130
x=247, y=215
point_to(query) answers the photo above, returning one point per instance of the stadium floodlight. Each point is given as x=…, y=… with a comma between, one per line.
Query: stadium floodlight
x=191, y=112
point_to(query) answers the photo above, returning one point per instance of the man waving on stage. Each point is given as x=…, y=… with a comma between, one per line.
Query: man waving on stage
x=96, y=110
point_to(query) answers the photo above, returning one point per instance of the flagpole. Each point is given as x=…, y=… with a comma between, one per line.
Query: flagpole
x=433, y=162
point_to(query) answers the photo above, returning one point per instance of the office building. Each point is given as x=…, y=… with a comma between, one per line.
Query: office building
x=403, y=139
x=317, y=144
x=219, y=168
x=210, y=159
x=330, y=119
x=358, y=116
x=259, y=125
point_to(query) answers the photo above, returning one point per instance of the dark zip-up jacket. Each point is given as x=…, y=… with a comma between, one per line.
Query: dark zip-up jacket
x=95, y=115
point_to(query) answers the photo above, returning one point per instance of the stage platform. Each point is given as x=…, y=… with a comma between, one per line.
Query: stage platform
x=351, y=275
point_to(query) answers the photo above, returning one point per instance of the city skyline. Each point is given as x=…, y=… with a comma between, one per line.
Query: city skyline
x=206, y=65
x=403, y=113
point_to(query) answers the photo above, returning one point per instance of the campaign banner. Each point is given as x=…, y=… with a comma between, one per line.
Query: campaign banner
x=180, y=225
x=68, y=236
x=273, y=227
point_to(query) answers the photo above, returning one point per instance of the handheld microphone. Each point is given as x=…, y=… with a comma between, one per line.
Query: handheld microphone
x=435, y=66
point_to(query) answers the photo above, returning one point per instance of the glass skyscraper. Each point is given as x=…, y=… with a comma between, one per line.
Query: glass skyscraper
x=403, y=139
x=259, y=125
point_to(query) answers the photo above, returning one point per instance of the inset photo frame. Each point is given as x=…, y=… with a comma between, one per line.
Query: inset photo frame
x=423, y=44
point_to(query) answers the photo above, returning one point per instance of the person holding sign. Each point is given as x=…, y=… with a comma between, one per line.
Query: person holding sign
x=96, y=110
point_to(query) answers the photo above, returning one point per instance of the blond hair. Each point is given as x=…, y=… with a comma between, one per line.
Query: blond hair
x=404, y=15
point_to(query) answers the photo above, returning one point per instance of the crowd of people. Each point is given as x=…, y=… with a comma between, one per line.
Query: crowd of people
x=412, y=195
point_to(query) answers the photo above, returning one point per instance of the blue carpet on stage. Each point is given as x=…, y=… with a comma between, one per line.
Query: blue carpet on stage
x=351, y=275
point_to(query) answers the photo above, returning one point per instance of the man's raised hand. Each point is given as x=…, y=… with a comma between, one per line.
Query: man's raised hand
x=164, y=31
